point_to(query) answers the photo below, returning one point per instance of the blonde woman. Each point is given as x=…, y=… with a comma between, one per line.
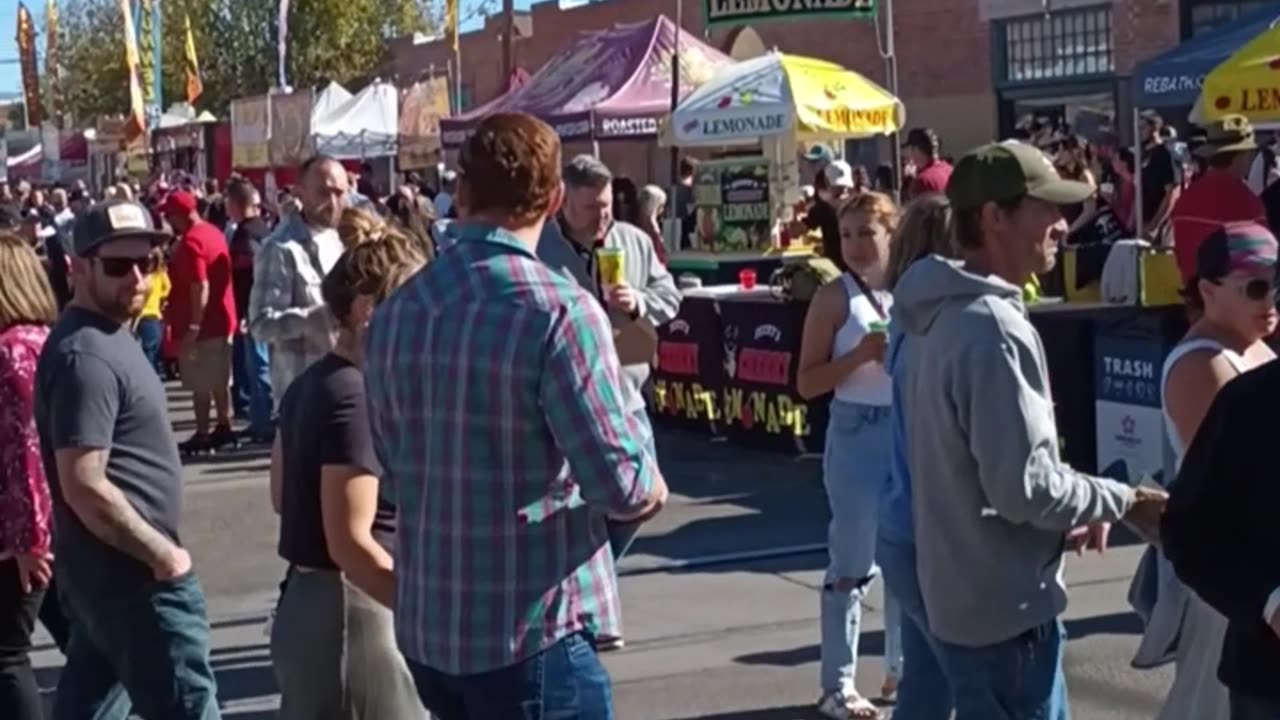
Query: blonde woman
x=27, y=309
x=332, y=642
x=925, y=693
x=359, y=225
x=842, y=351
x=652, y=202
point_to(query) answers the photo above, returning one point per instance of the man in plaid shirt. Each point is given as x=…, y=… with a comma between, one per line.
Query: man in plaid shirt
x=499, y=415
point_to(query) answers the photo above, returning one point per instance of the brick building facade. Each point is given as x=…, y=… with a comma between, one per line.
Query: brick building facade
x=971, y=69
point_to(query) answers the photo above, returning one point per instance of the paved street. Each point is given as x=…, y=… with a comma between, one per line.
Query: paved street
x=710, y=634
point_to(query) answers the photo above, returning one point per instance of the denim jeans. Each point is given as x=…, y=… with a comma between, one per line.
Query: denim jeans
x=150, y=334
x=855, y=470
x=1018, y=679
x=622, y=534
x=924, y=693
x=1244, y=707
x=564, y=681
x=251, y=384
x=147, y=638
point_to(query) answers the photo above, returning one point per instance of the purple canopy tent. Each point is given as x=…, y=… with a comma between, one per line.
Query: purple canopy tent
x=613, y=83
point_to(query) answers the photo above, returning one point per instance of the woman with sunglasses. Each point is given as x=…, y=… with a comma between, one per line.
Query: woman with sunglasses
x=27, y=309
x=1234, y=288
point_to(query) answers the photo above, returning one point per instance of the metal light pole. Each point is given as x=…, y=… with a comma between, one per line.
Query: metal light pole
x=508, y=41
x=891, y=72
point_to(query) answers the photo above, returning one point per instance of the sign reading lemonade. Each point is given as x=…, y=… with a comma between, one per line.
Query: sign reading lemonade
x=752, y=11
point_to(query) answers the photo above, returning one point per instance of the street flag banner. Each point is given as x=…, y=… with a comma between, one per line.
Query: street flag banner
x=136, y=125
x=30, y=73
x=282, y=43
x=195, y=86
x=451, y=23
x=146, y=55
x=738, y=12
x=250, y=128
x=290, y=141
x=421, y=109
x=52, y=61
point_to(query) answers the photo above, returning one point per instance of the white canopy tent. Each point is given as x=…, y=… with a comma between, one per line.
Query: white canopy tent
x=365, y=125
x=330, y=98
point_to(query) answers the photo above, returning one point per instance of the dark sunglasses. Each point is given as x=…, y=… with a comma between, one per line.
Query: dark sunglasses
x=118, y=267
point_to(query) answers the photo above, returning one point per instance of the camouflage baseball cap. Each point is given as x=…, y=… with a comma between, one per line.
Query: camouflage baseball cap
x=1004, y=171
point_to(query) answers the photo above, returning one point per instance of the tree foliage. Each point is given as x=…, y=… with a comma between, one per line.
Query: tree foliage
x=338, y=40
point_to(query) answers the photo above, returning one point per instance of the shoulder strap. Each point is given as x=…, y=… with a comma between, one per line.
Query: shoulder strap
x=870, y=295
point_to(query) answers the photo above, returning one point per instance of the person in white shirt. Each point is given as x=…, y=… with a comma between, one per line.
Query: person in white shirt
x=444, y=198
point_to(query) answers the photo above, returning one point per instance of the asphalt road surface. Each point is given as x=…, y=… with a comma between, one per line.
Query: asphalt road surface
x=719, y=594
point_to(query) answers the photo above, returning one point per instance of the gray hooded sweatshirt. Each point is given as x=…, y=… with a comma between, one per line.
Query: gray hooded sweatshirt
x=991, y=497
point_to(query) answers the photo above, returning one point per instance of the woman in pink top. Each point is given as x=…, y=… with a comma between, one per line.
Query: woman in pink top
x=27, y=308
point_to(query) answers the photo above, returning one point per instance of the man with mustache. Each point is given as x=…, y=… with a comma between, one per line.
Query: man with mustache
x=286, y=310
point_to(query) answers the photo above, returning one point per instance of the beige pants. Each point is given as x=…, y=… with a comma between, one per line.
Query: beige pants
x=207, y=368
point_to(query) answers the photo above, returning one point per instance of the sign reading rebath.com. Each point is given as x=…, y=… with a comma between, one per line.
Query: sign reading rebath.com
x=739, y=11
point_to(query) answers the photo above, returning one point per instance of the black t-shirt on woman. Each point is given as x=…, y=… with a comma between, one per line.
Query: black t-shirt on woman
x=324, y=421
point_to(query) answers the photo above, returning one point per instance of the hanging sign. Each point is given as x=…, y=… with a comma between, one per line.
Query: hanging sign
x=725, y=12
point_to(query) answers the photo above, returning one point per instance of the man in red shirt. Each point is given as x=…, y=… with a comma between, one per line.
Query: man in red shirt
x=932, y=173
x=201, y=315
x=1220, y=195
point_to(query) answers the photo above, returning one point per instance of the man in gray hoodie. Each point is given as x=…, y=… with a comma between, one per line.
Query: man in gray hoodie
x=992, y=499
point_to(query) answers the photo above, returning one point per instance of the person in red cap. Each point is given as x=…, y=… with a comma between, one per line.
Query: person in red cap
x=201, y=314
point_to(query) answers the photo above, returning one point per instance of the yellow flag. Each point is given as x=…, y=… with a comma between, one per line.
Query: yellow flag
x=195, y=86
x=451, y=22
x=52, y=68
x=137, y=124
x=146, y=53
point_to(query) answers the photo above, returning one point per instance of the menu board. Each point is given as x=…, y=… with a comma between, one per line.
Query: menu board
x=732, y=198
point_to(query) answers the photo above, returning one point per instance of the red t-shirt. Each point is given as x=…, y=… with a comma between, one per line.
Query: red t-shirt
x=1215, y=198
x=931, y=178
x=201, y=255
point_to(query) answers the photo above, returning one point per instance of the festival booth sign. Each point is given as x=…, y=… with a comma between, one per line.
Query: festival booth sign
x=1247, y=83
x=250, y=130
x=609, y=84
x=422, y=108
x=367, y=125
x=291, y=114
x=738, y=12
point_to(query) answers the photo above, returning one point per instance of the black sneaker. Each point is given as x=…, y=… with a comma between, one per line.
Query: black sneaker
x=224, y=438
x=198, y=444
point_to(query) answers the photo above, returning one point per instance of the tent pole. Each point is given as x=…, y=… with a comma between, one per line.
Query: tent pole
x=676, y=243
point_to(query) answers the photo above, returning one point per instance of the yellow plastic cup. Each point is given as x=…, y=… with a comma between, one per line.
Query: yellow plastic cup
x=611, y=265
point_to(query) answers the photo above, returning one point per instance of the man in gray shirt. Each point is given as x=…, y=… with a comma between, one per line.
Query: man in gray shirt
x=992, y=500
x=136, y=610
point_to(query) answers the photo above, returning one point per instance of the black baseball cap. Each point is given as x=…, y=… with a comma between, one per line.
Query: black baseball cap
x=114, y=220
x=1005, y=171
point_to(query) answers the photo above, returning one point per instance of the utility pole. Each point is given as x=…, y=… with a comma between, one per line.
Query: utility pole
x=508, y=42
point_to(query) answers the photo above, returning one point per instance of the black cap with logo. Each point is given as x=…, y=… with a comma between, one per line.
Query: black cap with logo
x=114, y=220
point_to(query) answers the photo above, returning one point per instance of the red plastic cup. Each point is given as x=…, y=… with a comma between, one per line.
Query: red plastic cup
x=747, y=278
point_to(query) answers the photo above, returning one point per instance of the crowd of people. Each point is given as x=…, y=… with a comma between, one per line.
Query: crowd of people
x=461, y=452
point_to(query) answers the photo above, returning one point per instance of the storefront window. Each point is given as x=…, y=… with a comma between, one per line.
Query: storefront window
x=1060, y=45
x=1205, y=16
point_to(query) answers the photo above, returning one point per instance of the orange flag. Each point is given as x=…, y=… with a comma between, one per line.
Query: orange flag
x=195, y=86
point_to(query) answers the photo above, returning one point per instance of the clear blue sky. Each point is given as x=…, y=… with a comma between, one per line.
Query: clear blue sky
x=11, y=79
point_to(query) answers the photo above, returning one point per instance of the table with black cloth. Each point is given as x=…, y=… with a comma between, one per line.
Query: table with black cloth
x=728, y=365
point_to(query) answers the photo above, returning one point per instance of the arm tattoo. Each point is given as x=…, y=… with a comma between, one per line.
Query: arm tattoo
x=110, y=517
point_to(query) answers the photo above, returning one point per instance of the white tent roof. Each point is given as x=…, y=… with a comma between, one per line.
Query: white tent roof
x=331, y=98
x=366, y=125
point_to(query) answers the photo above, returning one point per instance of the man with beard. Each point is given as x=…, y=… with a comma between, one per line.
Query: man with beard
x=136, y=609
x=286, y=309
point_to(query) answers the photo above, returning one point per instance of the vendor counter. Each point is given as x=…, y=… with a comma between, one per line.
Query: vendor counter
x=728, y=364
x=722, y=268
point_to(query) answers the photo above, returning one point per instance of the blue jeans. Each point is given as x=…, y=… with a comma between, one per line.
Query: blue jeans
x=855, y=470
x=622, y=534
x=564, y=681
x=1244, y=707
x=924, y=693
x=136, y=642
x=1018, y=679
x=251, y=384
x=150, y=334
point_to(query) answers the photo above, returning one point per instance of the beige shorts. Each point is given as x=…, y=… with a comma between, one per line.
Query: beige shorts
x=208, y=368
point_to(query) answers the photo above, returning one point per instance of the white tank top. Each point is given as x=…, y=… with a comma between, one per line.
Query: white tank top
x=869, y=384
x=1178, y=352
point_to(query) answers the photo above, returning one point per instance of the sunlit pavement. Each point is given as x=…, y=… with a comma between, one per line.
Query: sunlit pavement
x=719, y=594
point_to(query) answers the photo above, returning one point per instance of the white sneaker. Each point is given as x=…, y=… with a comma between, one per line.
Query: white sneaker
x=840, y=705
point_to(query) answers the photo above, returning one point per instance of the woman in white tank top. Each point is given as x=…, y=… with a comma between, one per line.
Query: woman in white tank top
x=842, y=351
x=1234, y=288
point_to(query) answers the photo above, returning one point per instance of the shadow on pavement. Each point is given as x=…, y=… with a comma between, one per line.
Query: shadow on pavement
x=872, y=643
x=795, y=712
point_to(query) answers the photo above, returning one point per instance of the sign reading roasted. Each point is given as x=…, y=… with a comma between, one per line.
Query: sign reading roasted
x=748, y=11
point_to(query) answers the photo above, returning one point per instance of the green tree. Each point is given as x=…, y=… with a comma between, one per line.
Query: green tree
x=235, y=41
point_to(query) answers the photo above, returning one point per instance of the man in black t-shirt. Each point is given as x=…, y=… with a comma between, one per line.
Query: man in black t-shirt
x=250, y=369
x=832, y=185
x=1160, y=177
x=136, y=610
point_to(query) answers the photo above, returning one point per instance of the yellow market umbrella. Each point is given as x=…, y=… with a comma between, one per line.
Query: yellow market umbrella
x=779, y=94
x=1247, y=83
